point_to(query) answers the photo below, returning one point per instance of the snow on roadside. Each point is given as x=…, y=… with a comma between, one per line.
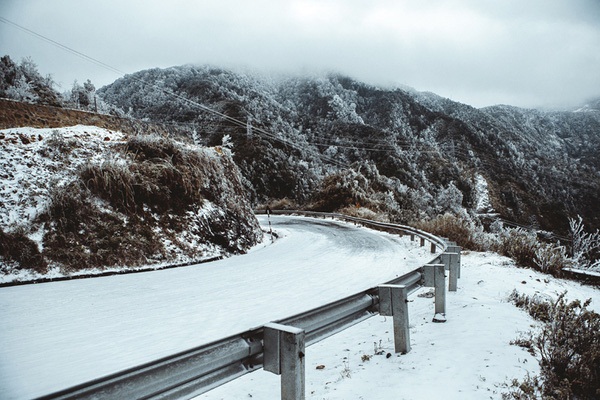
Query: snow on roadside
x=468, y=357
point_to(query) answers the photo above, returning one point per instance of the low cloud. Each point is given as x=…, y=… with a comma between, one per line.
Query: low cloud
x=535, y=53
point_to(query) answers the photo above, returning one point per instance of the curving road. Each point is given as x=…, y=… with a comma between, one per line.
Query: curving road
x=59, y=334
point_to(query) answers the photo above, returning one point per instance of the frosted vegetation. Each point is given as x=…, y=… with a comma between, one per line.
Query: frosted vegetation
x=405, y=155
x=83, y=198
x=22, y=82
x=87, y=198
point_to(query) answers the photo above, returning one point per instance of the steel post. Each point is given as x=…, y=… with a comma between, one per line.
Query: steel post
x=393, y=302
x=284, y=353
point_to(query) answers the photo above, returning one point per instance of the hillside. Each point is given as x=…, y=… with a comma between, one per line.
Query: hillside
x=80, y=198
x=332, y=143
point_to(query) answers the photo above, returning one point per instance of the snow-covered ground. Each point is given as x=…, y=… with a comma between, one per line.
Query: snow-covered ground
x=468, y=357
x=55, y=335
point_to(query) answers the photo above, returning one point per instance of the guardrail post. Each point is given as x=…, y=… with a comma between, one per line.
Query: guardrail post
x=432, y=247
x=412, y=237
x=434, y=276
x=393, y=302
x=422, y=242
x=284, y=355
x=457, y=250
x=450, y=261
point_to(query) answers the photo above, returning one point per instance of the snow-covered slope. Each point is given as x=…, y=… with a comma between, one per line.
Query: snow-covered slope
x=91, y=198
x=33, y=160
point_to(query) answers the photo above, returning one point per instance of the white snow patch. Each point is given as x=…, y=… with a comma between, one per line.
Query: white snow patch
x=483, y=195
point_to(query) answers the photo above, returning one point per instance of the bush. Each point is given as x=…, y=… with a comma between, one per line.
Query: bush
x=528, y=251
x=519, y=245
x=164, y=178
x=585, y=246
x=280, y=204
x=17, y=248
x=551, y=259
x=338, y=191
x=80, y=235
x=569, y=348
x=365, y=213
x=457, y=229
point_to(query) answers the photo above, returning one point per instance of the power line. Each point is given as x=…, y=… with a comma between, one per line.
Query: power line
x=62, y=46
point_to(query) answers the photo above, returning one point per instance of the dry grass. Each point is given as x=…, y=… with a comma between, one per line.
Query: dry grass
x=80, y=235
x=568, y=345
x=152, y=192
x=16, y=248
x=456, y=229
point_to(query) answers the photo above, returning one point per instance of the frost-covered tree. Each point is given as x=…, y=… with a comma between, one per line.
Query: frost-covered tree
x=82, y=96
x=23, y=82
x=585, y=246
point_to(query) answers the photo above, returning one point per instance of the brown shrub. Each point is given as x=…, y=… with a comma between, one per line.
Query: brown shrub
x=79, y=235
x=569, y=348
x=519, y=245
x=456, y=229
x=17, y=248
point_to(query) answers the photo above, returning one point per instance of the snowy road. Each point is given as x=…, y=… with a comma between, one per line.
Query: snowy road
x=55, y=335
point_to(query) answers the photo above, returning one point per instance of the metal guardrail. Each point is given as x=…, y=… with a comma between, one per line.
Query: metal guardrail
x=441, y=243
x=198, y=370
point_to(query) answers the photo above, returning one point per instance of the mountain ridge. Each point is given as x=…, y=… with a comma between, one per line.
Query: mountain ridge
x=406, y=139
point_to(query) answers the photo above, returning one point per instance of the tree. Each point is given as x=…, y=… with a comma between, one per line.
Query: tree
x=83, y=96
x=585, y=247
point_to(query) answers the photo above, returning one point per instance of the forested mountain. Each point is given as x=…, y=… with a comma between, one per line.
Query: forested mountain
x=331, y=143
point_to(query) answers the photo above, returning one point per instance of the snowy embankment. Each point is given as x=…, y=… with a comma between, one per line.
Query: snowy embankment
x=83, y=200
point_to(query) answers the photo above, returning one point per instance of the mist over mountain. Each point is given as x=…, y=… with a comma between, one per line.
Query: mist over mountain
x=333, y=143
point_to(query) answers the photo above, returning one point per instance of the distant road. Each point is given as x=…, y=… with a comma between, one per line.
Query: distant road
x=55, y=335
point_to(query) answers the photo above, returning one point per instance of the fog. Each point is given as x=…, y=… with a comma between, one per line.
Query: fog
x=539, y=53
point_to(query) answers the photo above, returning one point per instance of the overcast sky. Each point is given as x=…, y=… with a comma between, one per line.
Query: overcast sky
x=526, y=53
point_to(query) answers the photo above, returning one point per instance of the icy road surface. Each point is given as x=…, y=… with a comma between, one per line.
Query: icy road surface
x=56, y=335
